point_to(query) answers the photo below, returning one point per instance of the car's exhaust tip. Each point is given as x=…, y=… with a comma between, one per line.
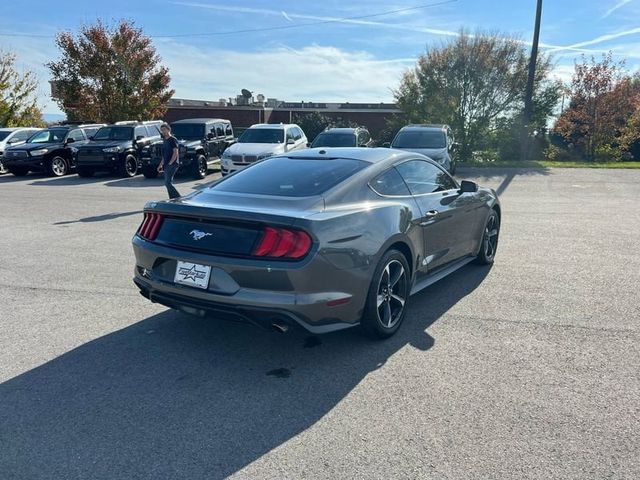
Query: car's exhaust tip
x=280, y=327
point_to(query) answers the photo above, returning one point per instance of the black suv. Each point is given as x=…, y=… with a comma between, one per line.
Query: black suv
x=118, y=148
x=52, y=150
x=202, y=141
x=343, y=137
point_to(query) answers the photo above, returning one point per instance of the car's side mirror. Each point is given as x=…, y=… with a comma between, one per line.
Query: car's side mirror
x=468, y=187
x=291, y=141
x=69, y=140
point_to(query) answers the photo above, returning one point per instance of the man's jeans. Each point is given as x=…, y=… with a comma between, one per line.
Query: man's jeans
x=169, y=173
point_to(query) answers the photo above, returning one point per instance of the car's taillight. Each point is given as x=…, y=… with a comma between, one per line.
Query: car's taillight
x=283, y=243
x=150, y=225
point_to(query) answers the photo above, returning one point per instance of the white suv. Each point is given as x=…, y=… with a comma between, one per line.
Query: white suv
x=10, y=137
x=261, y=141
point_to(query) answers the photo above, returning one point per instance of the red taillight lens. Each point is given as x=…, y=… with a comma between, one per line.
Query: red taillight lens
x=150, y=226
x=283, y=243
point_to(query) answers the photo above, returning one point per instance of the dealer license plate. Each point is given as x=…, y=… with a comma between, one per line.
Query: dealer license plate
x=192, y=274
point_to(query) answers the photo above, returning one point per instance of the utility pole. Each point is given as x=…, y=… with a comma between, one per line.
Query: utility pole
x=528, y=95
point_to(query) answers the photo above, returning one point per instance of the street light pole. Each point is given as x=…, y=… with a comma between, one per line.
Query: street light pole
x=528, y=95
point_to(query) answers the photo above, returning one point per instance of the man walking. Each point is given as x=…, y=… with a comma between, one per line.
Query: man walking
x=170, y=159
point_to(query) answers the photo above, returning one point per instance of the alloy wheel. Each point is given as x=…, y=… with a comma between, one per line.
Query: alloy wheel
x=131, y=167
x=491, y=237
x=392, y=294
x=58, y=166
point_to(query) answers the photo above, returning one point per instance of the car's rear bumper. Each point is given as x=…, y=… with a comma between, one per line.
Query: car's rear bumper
x=318, y=308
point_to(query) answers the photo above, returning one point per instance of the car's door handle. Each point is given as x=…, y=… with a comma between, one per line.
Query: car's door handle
x=430, y=215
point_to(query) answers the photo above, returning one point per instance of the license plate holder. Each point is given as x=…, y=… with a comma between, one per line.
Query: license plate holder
x=192, y=274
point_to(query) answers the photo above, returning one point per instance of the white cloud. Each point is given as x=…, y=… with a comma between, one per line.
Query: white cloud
x=313, y=73
x=618, y=5
x=601, y=39
x=317, y=18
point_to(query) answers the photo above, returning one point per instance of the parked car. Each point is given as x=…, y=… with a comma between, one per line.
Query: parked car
x=202, y=141
x=322, y=238
x=11, y=137
x=434, y=141
x=261, y=141
x=343, y=137
x=118, y=148
x=52, y=150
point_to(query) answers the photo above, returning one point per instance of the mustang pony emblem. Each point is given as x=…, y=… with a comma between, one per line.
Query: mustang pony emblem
x=199, y=234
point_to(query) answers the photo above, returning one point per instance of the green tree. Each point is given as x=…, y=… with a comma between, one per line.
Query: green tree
x=473, y=83
x=108, y=74
x=18, y=99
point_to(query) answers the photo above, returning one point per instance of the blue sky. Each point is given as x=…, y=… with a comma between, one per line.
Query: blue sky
x=348, y=60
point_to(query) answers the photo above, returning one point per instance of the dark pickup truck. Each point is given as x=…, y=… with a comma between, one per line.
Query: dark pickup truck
x=201, y=143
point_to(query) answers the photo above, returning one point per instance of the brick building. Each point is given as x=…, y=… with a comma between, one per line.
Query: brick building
x=374, y=116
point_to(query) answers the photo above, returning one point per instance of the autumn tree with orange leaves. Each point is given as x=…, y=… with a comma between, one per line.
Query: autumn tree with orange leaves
x=603, y=107
x=108, y=74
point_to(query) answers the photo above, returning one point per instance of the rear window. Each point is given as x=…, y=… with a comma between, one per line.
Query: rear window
x=335, y=140
x=291, y=177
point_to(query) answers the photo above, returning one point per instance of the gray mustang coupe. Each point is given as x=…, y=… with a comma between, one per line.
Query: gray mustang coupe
x=323, y=238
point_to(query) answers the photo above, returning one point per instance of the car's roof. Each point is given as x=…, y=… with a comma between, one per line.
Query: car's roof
x=273, y=125
x=371, y=155
x=11, y=129
x=342, y=130
x=421, y=126
x=200, y=120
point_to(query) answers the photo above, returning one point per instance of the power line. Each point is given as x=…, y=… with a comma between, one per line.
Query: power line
x=266, y=29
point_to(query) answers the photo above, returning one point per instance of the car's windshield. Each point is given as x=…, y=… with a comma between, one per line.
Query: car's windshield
x=335, y=140
x=420, y=139
x=4, y=135
x=114, y=133
x=51, y=135
x=188, y=131
x=291, y=177
x=262, y=135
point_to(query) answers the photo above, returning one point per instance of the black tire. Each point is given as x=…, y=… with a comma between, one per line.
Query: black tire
x=3, y=169
x=19, y=171
x=129, y=167
x=387, y=298
x=57, y=167
x=150, y=172
x=490, y=236
x=199, y=167
x=85, y=172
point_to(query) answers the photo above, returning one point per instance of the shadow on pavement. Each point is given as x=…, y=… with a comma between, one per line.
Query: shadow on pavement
x=179, y=397
x=100, y=218
x=508, y=174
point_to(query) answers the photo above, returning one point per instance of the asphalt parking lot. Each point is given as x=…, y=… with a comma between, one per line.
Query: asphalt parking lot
x=529, y=369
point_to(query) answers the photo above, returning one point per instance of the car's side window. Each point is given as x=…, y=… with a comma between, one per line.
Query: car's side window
x=77, y=135
x=229, y=130
x=290, y=135
x=423, y=177
x=390, y=183
x=90, y=132
x=21, y=136
x=219, y=130
x=297, y=133
x=140, y=131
